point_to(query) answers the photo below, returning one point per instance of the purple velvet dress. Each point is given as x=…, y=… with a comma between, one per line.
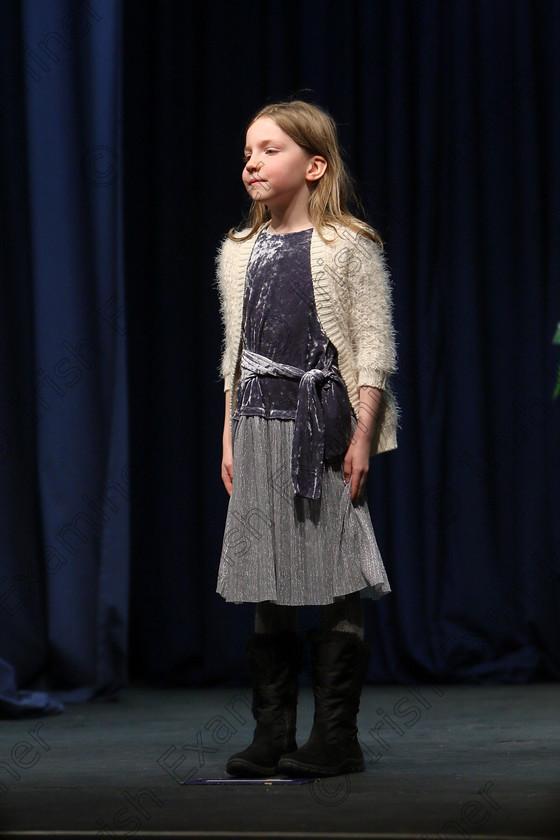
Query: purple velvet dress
x=280, y=323
x=313, y=546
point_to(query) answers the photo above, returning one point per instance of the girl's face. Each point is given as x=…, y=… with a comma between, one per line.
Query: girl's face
x=276, y=169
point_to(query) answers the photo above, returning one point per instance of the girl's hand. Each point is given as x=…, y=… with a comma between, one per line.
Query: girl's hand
x=227, y=458
x=356, y=460
x=356, y=464
x=227, y=467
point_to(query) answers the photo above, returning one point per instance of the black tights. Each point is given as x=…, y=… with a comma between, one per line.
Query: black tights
x=344, y=614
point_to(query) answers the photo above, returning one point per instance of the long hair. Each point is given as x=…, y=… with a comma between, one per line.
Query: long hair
x=314, y=130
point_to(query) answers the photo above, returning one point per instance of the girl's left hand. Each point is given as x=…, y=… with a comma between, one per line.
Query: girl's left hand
x=356, y=465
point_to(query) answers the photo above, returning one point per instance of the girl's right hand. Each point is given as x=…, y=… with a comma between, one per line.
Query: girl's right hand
x=227, y=458
x=227, y=467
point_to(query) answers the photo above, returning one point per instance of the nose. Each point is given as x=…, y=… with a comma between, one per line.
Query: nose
x=252, y=167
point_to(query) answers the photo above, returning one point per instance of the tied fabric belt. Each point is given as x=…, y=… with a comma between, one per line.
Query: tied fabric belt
x=311, y=444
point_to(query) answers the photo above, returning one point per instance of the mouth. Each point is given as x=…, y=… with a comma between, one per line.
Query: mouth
x=256, y=181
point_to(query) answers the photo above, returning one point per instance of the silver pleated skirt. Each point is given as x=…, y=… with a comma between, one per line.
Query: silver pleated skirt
x=285, y=548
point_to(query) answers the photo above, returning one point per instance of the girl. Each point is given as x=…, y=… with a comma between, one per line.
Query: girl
x=308, y=350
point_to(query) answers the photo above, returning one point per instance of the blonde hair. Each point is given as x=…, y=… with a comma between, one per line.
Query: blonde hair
x=314, y=130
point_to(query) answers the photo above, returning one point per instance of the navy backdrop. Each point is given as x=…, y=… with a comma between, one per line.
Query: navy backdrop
x=122, y=127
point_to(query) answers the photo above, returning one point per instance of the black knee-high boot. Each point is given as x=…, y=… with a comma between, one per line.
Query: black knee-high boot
x=339, y=663
x=275, y=660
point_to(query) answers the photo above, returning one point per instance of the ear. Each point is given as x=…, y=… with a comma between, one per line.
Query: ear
x=316, y=168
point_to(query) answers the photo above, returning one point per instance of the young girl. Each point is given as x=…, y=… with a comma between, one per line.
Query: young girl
x=308, y=350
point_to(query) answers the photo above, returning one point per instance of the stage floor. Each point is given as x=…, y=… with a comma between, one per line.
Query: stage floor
x=441, y=762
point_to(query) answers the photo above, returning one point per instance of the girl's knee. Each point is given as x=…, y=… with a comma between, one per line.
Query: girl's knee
x=272, y=618
x=345, y=615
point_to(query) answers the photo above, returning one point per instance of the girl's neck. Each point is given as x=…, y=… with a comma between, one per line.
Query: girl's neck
x=288, y=222
x=270, y=229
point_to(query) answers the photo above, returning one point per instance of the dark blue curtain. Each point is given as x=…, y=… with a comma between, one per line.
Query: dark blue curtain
x=449, y=114
x=65, y=485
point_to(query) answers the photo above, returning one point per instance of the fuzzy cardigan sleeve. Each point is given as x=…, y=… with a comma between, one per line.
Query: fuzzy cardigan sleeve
x=372, y=332
x=223, y=257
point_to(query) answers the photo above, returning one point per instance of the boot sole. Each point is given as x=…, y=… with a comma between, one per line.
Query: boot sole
x=239, y=767
x=294, y=768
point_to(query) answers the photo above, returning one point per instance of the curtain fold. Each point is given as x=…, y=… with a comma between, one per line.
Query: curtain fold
x=65, y=471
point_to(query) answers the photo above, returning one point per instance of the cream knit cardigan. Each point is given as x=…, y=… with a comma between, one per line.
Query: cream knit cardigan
x=352, y=291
